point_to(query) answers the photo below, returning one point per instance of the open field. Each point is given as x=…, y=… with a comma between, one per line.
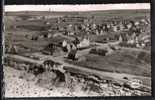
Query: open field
x=119, y=62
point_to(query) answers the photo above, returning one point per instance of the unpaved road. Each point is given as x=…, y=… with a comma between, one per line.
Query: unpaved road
x=103, y=74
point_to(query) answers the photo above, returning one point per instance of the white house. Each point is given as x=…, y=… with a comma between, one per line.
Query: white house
x=129, y=25
x=64, y=43
x=120, y=38
x=84, y=43
x=115, y=28
x=137, y=23
x=49, y=35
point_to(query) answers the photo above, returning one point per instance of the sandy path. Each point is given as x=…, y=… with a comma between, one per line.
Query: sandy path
x=117, y=76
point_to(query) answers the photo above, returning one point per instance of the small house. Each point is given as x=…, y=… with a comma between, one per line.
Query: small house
x=53, y=49
x=136, y=23
x=84, y=43
x=114, y=28
x=129, y=26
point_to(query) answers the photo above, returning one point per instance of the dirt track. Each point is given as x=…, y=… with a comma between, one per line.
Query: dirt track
x=116, y=76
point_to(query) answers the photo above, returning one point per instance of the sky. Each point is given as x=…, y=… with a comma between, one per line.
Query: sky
x=89, y=7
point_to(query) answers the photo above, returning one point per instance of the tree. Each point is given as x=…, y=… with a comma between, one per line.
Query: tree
x=76, y=41
x=72, y=54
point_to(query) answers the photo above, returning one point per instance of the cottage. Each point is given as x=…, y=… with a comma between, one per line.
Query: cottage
x=34, y=37
x=133, y=36
x=101, y=32
x=129, y=25
x=121, y=26
x=108, y=26
x=86, y=28
x=49, y=35
x=84, y=43
x=64, y=43
x=93, y=26
x=69, y=27
x=131, y=41
x=31, y=18
x=41, y=36
x=38, y=17
x=109, y=51
x=148, y=20
x=13, y=49
x=136, y=23
x=98, y=51
x=114, y=28
x=68, y=45
x=120, y=38
x=145, y=37
x=143, y=21
x=137, y=45
x=83, y=26
x=49, y=30
x=86, y=20
x=71, y=33
x=96, y=32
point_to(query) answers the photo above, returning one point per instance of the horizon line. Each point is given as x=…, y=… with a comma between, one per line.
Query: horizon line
x=76, y=8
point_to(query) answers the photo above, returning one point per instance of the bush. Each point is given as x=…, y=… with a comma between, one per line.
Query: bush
x=125, y=44
x=144, y=57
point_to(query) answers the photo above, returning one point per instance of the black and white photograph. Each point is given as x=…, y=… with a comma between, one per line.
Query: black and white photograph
x=77, y=50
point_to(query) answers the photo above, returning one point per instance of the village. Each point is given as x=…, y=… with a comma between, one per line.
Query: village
x=111, y=53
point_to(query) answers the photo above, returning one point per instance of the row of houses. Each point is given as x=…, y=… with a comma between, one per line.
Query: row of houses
x=107, y=26
x=124, y=30
x=71, y=29
x=141, y=41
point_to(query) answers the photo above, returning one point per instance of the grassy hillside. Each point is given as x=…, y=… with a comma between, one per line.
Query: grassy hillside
x=120, y=62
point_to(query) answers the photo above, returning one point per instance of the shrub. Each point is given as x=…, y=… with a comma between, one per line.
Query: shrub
x=144, y=57
x=125, y=44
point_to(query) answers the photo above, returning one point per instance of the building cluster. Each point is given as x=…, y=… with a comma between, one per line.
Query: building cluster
x=134, y=32
x=129, y=31
x=76, y=25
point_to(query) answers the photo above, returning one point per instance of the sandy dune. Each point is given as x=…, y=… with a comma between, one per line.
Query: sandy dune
x=16, y=87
